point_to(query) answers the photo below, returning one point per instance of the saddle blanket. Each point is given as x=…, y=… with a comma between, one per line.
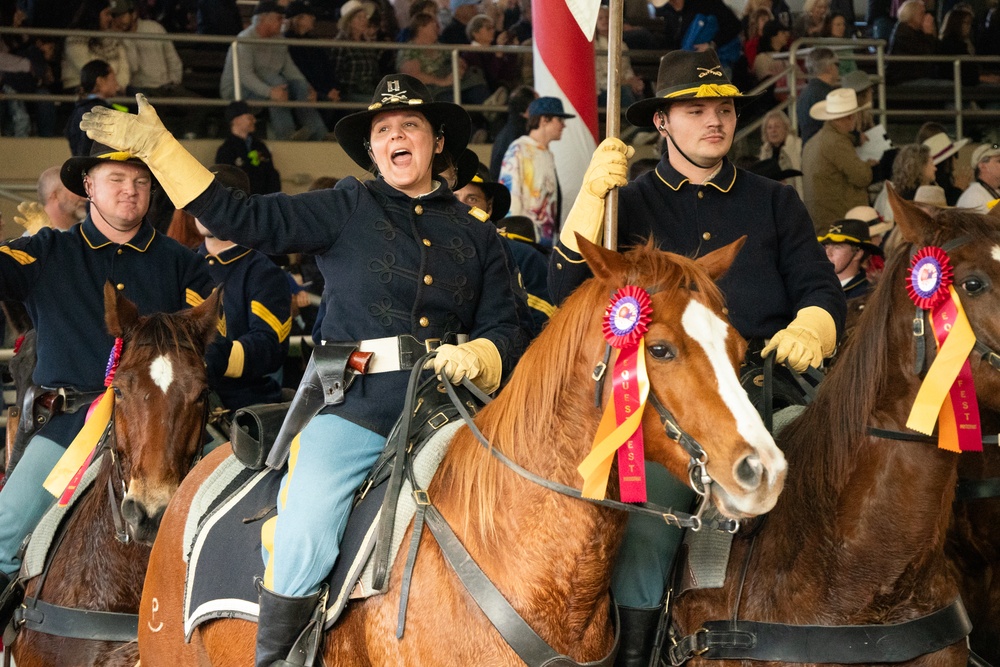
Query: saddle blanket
x=224, y=545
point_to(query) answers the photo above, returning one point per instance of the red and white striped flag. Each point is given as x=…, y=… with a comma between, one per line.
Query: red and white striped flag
x=564, y=68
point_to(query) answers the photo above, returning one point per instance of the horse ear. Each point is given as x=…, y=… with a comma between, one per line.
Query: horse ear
x=120, y=314
x=603, y=262
x=914, y=224
x=717, y=262
x=206, y=316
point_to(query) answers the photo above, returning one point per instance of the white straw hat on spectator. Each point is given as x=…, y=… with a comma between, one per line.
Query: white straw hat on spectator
x=932, y=195
x=942, y=147
x=839, y=103
x=354, y=5
x=984, y=152
x=876, y=226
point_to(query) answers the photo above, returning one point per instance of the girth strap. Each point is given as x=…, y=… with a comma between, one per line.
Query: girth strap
x=977, y=489
x=51, y=619
x=528, y=645
x=839, y=644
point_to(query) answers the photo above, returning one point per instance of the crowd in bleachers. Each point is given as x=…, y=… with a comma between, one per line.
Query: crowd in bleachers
x=749, y=45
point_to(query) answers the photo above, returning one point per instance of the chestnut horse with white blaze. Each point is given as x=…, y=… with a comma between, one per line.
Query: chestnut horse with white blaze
x=550, y=555
x=159, y=412
x=858, y=535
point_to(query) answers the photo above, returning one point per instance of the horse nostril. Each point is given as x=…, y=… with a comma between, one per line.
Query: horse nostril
x=749, y=471
x=132, y=511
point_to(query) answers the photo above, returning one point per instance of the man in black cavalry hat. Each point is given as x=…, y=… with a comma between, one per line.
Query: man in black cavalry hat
x=781, y=291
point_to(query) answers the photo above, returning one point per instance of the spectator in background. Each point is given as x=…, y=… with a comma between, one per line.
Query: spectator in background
x=774, y=38
x=834, y=177
x=529, y=168
x=357, y=70
x=434, y=70
x=632, y=86
x=516, y=125
x=912, y=36
x=848, y=246
x=837, y=27
x=812, y=19
x=314, y=63
x=956, y=40
x=78, y=51
x=681, y=27
x=98, y=81
x=758, y=20
x=878, y=18
x=242, y=149
x=501, y=70
x=944, y=153
x=219, y=17
x=912, y=168
x=256, y=303
x=267, y=72
x=429, y=7
x=63, y=207
x=779, y=143
x=822, y=66
x=462, y=11
x=845, y=8
x=986, y=187
x=747, y=21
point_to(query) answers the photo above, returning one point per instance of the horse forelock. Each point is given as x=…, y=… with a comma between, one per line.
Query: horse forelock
x=528, y=420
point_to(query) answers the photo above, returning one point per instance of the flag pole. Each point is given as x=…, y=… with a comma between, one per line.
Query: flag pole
x=615, y=25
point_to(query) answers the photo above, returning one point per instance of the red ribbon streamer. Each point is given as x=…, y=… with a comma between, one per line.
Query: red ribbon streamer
x=959, y=416
x=631, y=459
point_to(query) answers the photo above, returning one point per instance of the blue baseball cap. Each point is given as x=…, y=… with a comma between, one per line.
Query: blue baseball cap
x=548, y=106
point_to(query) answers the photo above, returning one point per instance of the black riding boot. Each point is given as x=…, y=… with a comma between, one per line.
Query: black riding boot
x=11, y=597
x=638, y=633
x=282, y=620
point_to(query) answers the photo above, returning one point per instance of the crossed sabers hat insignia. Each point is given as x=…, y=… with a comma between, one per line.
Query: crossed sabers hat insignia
x=705, y=71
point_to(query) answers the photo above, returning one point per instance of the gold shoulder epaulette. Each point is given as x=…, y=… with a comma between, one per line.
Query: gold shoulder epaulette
x=479, y=214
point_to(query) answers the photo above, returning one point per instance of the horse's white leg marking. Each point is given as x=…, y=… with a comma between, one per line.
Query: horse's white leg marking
x=155, y=607
x=161, y=371
x=709, y=331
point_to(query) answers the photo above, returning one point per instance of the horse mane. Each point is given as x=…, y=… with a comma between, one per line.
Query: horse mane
x=165, y=332
x=851, y=391
x=541, y=411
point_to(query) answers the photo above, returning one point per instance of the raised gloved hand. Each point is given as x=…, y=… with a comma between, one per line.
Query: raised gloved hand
x=183, y=178
x=608, y=169
x=33, y=217
x=806, y=341
x=479, y=360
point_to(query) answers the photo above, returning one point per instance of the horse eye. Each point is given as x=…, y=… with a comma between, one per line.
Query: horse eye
x=662, y=351
x=973, y=286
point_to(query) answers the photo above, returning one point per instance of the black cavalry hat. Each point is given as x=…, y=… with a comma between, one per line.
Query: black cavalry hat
x=850, y=231
x=74, y=168
x=497, y=192
x=466, y=167
x=397, y=92
x=685, y=75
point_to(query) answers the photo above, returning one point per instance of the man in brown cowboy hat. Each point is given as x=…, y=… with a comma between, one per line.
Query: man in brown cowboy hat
x=781, y=291
x=848, y=245
x=60, y=278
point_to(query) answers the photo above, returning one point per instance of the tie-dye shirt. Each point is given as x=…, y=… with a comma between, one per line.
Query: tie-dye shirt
x=529, y=172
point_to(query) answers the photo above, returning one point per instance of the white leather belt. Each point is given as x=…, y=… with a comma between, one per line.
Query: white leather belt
x=399, y=353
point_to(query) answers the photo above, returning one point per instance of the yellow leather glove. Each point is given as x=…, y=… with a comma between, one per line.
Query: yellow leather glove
x=806, y=341
x=183, y=178
x=33, y=217
x=608, y=169
x=479, y=360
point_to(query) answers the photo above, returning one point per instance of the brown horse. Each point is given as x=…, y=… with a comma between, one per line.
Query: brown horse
x=157, y=433
x=549, y=555
x=858, y=536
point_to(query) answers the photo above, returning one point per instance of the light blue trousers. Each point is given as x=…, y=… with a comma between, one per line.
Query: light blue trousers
x=23, y=501
x=327, y=463
x=646, y=557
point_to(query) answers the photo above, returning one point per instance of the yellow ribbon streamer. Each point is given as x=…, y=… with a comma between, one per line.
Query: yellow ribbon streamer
x=942, y=373
x=596, y=468
x=81, y=447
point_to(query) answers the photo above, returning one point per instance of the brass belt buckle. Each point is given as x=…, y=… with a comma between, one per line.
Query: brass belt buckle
x=432, y=344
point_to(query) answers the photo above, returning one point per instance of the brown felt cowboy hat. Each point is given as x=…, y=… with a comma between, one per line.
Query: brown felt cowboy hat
x=74, y=169
x=686, y=75
x=398, y=92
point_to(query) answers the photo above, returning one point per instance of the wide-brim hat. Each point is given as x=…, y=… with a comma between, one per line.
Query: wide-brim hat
x=74, y=168
x=466, y=167
x=858, y=80
x=518, y=228
x=686, y=75
x=496, y=192
x=399, y=92
x=942, y=147
x=931, y=195
x=839, y=103
x=850, y=231
x=868, y=215
x=984, y=152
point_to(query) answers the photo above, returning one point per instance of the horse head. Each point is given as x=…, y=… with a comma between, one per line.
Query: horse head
x=161, y=397
x=692, y=358
x=971, y=242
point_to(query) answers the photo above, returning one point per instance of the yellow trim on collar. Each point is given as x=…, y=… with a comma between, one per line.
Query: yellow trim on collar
x=686, y=180
x=479, y=214
x=656, y=170
x=230, y=261
x=92, y=246
x=728, y=187
x=280, y=328
x=18, y=256
x=569, y=259
x=148, y=243
x=541, y=305
x=708, y=90
x=192, y=298
x=236, y=358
